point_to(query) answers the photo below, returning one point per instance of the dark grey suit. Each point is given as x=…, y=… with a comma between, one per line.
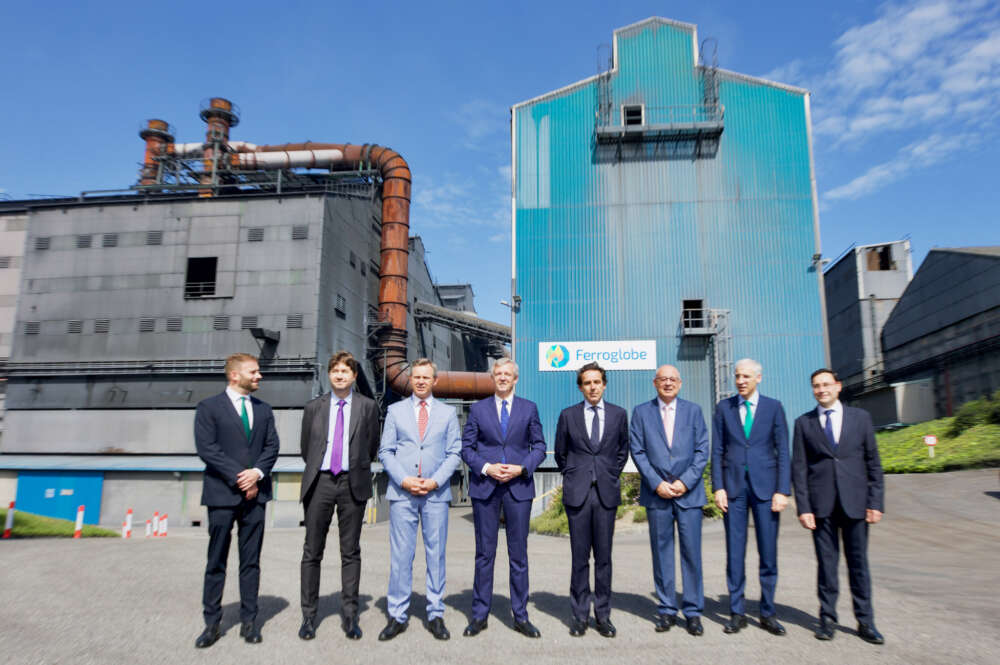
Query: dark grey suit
x=347, y=492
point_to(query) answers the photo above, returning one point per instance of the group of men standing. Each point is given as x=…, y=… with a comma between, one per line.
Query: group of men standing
x=834, y=466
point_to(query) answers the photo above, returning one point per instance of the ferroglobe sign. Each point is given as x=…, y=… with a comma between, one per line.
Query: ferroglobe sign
x=570, y=356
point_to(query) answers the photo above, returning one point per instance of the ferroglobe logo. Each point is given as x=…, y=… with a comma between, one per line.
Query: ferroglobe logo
x=557, y=356
x=571, y=356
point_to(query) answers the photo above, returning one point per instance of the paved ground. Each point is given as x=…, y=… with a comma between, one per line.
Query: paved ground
x=935, y=561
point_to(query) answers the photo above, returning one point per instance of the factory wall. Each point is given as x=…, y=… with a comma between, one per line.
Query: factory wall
x=608, y=248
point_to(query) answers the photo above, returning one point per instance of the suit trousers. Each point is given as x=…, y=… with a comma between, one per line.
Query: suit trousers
x=765, y=523
x=249, y=518
x=855, y=535
x=332, y=492
x=591, y=528
x=661, y=541
x=433, y=520
x=486, y=517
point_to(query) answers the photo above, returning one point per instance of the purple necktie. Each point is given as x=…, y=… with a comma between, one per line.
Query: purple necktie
x=338, y=440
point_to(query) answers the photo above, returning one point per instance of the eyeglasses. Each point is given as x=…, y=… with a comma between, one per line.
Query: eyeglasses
x=668, y=379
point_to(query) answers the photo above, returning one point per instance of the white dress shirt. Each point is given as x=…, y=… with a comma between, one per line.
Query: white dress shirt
x=753, y=399
x=588, y=416
x=837, y=418
x=237, y=400
x=415, y=401
x=332, y=425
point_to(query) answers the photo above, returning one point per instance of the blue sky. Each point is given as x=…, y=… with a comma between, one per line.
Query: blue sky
x=906, y=97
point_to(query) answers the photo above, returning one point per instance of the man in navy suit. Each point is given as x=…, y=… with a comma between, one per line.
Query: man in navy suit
x=235, y=436
x=751, y=472
x=837, y=476
x=669, y=444
x=591, y=449
x=503, y=445
x=421, y=442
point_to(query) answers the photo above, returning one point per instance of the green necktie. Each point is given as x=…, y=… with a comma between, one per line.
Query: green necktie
x=246, y=417
x=748, y=421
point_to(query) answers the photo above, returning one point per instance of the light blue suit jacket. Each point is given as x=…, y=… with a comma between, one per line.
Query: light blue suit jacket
x=402, y=452
x=657, y=462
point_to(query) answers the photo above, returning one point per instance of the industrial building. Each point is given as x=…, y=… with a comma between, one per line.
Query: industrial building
x=945, y=330
x=665, y=211
x=863, y=286
x=131, y=300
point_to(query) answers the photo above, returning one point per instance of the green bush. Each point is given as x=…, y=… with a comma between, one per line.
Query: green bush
x=29, y=525
x=904, y=451
x=977, y=412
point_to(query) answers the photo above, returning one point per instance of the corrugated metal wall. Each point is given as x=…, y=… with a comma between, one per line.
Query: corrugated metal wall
x=608, y=249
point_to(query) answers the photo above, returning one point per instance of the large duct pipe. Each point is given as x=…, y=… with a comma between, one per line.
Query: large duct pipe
x=392, y=305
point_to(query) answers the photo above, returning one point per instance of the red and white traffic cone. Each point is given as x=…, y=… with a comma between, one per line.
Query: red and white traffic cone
x=10, y=521
x=78, y=531
x=163, y=526
x=128, y=524
x=149, y=528
x=123, y=531
x=156, y=523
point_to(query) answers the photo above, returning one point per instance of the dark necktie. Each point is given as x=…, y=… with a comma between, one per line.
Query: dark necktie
x=504, y=421
x=595, y=430
x=245, y=417
x=337, y=454
x=828, y=429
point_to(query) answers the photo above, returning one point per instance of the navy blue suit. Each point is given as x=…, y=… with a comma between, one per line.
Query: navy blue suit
x=222, y=444
x=751, y=470
x=482, y=443
x=591, y=494
x=685, y=459
x=837, y=484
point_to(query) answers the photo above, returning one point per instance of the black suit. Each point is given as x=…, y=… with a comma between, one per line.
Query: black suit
x=347, y=492
x=591, y=494
x=222, y=444
x=837, y=484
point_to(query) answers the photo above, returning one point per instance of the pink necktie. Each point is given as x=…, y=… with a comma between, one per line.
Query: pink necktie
x=668, y=425
x=422, y=419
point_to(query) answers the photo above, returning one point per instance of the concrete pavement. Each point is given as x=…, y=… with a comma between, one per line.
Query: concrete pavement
x=935, y=563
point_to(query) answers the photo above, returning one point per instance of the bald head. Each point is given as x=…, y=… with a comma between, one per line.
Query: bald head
x=667, y=383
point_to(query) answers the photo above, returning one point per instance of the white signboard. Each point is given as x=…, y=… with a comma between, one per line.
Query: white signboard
x=571, y=356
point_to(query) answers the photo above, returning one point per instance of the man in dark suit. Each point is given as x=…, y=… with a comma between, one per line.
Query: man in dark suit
x=838, y=492
x=751, y=472
x=340, y=432
x=235, y=436
x=669, y=443
x=591, y=449
x=502, y=443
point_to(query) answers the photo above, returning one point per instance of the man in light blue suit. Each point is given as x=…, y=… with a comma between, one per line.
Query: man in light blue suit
x=751, y=473
x=669, y=443
x=420, y=449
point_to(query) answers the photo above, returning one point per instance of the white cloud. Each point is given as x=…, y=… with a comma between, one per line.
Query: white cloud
x=482, y=121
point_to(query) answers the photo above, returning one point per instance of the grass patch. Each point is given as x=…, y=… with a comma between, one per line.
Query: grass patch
x=27, y=525
x=552, y=522
x=976, y=446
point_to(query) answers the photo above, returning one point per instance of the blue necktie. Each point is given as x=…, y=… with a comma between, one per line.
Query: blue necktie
x=595, y=430
x=504, y=421
x=828, y=429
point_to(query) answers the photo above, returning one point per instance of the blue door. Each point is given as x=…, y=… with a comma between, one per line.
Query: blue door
x=60, y=493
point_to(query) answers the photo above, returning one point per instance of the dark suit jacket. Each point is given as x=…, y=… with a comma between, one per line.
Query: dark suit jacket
x=580, y=464
x=851, y=476
x=764, y=456
x=685, y=460
x=362, y=443
x=482, y=444
x=223, y=446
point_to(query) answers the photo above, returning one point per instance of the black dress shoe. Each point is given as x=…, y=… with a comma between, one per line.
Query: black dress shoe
x=436, y=626
x=250, y=633
x=694, y=626
x=825, y=630
x=606, y=628
x=771, y=625
x=868, y=633
x=736, y=623
x=392, y=629
x=351, y=628
x=526, y=628
x=665, y=621
x=577, y=628
x=475, y=627
x=208, y=637
x=307, y=630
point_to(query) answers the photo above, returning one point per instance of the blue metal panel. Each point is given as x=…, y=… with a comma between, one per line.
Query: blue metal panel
x=60, y=493
x=607, y=249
